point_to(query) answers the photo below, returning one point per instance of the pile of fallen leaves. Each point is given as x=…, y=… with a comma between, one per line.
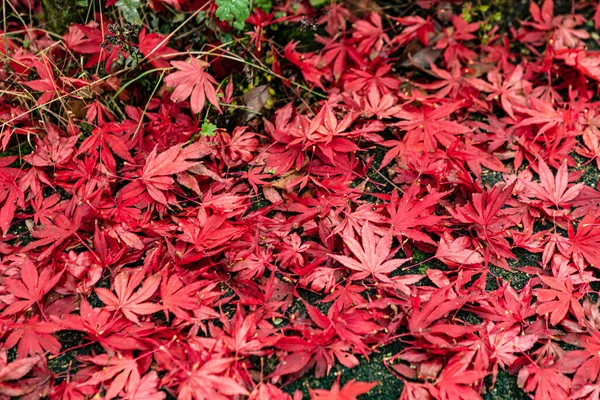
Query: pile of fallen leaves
x=211, y=212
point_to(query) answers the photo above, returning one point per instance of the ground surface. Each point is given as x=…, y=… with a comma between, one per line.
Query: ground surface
x=248, y=152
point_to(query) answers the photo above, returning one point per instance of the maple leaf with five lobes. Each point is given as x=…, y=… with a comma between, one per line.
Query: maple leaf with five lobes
x=335, y=54
x=56, y=233
x=375, y=104
x=191, y=81
x=207, y=381
x=369, y=34
x=101, y=139
x=562, y=27
x=428, y=125
x=121, y=369
x=156, y=175
x=409, y=214
x=34, y=337
x=554, y=191
x=129, y=302
x=349, y=392
x=52, y=150
x=507, y=345
x=32, y=287
x=416, y=27
x=541, y=113
x=547, y=381
x=558, y=299
x=484, y=213
x=358, y=80
x=508, y=92
x=176, y=297
x=372, y=255
x=327, y=125
x=449, y=85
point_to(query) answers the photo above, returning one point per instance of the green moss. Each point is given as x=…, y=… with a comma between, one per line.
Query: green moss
x=67, y=360
x=506, y=388
x=371, y=370
x=490, y=178
x=58, y=14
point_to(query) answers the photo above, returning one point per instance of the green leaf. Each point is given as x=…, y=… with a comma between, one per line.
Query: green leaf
x=318, y=3
x=208, y=129
x=264, y=5
x=129, y=8
x=233, y=11
x=200, y=17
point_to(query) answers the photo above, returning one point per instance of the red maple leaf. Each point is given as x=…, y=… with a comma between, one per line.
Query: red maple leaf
x=238, y=147
x=375, y=104
x=98, y=324
x=208, y=380
x=31, y=288
x=191, y=81
x=562, y=26
x=362, y=81
x=34, y=337
x=121, y=369
x=335, y=53
x=10, y=373
x=55, y=234
x=52, y=150
x=428, y=125
x=541, y=113
x=300, y=60
x=450, y=83
x=47, y=82
x=507, y=346
x=508, y=92
x=456, y=252
x=10, y=193
x=456, y=380
x=484, y=214
x=89, y=39
x=554, y=192
x=585, y=244
x=411, y=213
x=547, y=381
x=156, y=175
x=424, y=321
x=416, y=28
x=129, y=301
x=369, y=35
x=103, y=139
x=349, y=391
x=144, y=389
x=177, y=297
x=558, y=299
x=154, y=48
x=373, y=256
